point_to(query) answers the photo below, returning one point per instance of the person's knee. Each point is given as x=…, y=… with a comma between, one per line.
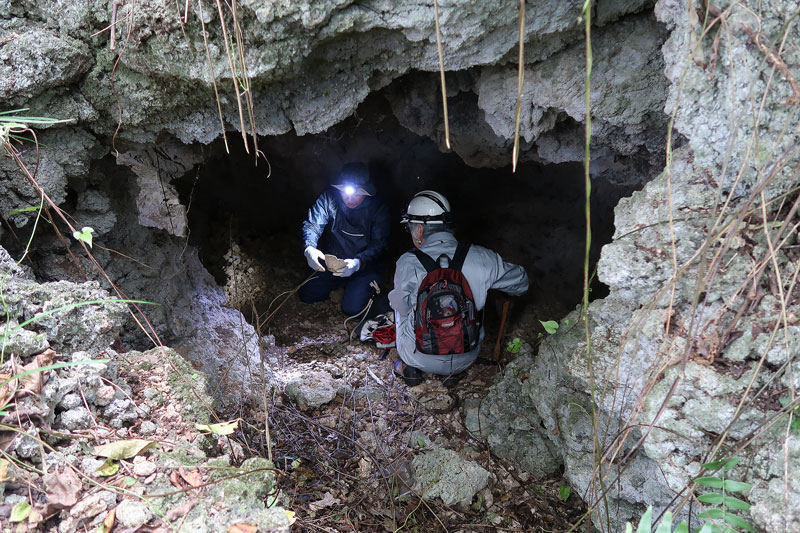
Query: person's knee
x=352, y=307
x=310, y=295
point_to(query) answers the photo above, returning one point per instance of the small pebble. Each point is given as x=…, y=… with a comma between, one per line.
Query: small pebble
x=89, y=507
x=89, y=465
x=144, y=469
x=104, y=395
x=70, y=401
x=132, y=514
x=13, y=499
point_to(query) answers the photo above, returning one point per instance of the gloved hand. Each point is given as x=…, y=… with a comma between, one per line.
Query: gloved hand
x=313, y=256
x=350, y=267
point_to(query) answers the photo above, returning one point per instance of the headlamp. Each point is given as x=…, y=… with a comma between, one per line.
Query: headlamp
x=349, y=190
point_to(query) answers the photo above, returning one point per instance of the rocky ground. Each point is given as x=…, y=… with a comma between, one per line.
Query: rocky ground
x=379, y=455
x=130, y=441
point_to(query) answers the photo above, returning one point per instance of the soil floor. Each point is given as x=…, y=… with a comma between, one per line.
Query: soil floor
x=347, y=463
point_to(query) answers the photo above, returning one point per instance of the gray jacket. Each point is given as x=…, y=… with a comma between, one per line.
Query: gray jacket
x=484, y=270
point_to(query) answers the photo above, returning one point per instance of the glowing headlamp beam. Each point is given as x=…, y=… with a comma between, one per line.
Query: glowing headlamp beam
x=349, y=190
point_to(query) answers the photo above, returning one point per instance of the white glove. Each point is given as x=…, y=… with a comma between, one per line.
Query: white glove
x=313, y=256
x=350, y=266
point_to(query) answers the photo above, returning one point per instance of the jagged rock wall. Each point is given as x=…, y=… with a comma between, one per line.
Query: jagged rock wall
x=311, y=64
x=628, y=96
x=699, y=334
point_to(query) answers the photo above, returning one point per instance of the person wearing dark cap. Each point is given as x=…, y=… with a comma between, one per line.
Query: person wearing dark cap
x=347, y=221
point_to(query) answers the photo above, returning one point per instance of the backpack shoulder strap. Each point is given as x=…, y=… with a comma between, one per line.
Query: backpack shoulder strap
x=461, y=254
x=426, y=260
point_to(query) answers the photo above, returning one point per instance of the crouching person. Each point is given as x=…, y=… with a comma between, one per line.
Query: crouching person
x=350, y=222
x=439, y=293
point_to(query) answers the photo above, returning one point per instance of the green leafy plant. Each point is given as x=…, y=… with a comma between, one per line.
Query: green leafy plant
x=665, y=526
x=85, y=235
x=514, y=345
x=725, y=505
x=13, y=125
x=720, y=506
x=563, y=492
x=20, y=512
x=551, y=326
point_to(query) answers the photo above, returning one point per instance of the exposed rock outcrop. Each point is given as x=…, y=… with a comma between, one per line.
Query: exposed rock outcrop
x=310, y=65
x=694, y=338
x=104, y=396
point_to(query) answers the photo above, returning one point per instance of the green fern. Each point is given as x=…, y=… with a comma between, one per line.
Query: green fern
x=720, y=513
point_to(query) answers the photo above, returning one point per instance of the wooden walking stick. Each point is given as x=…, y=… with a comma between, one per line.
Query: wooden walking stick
x=503, y=318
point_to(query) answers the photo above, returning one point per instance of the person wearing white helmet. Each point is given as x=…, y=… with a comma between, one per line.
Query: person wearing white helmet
x=350, y=222
x=427, y=297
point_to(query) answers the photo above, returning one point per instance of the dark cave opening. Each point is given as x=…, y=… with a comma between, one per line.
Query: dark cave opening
x=533, y=217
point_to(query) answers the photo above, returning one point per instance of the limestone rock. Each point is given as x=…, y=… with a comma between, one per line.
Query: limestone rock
x=508, y=421
x=157, y=201
x=443, y=474
x=133, y=514
x=311, y=390
x=33, y=58
x=77, y=418
x=628, y=92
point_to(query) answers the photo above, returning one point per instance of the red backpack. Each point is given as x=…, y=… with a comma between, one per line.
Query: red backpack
x=446, y=320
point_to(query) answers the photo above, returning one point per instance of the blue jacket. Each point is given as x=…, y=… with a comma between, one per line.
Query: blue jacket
x=361, y=233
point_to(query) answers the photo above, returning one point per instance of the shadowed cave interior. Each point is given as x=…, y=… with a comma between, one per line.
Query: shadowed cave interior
x=534, y=217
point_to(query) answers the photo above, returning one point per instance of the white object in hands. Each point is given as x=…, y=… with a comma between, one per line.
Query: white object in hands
x=334, y=264
x=312, y=257
x=351, y=266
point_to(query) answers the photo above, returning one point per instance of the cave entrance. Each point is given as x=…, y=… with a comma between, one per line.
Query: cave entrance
x=246, y=218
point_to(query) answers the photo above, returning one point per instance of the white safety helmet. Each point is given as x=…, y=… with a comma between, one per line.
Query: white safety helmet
x=427, y=207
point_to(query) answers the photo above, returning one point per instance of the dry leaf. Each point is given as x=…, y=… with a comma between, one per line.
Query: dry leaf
x=180, y=511
x=109, y=468
x=88, y=507
x=34, y=382
x=223, y=428
x=173, y=478
x=5, y=397
x=34, y=519
x=3, y=470
x=193, y=478
x=242, y=527
x=62, y=488
x=149, y=479
x=7, y=438
x=124, y=449
x=326, y=501
x=108, y=521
